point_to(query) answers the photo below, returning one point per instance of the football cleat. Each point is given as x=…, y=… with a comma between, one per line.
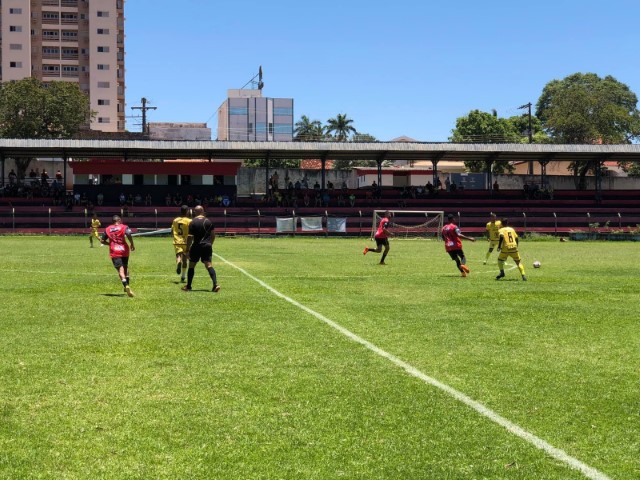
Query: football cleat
x=128, y=290
x=366, y=249
x=178, y=269
x=216, y=289
x=186, y=288
x=500, y=276
x=464, y=268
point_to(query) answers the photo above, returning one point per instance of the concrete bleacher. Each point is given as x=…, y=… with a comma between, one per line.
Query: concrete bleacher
x=568, y=210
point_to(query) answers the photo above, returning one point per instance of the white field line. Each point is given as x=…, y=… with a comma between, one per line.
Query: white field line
x=558, y=454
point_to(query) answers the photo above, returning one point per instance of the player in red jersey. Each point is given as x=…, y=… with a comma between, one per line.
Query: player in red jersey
x=381, y=237
x=116, y=236
x=452, y=236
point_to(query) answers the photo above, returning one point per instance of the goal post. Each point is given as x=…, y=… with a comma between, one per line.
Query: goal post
x=411, y=223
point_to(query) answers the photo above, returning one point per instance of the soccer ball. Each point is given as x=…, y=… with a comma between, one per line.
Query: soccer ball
x=536, y=264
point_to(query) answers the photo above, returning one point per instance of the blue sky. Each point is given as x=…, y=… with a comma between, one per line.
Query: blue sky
x=395, y=68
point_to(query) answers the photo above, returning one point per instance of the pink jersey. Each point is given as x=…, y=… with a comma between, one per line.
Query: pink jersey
x=381, y=228
x=450, y=235
x=118, y=246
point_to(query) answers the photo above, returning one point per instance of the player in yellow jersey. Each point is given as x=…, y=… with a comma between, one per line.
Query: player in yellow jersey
x=180, y=233
x=508, y=247
x=492, y=235
x=95, y=225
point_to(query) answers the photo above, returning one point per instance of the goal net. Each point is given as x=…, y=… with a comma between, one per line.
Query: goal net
x=410, y=223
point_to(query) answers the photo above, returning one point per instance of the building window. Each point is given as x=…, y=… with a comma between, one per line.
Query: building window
x=283, y=111
x=15, y=46
x=238, y=111
x=102, y=66
x=15, y=64
x=15, y=11
x=103, y=31
x=50, y=34
x=103, y=85
x=104, y=120
x=103, y=49
x=103, y=14
x=50, y=68
x=104, y=102
x=69, y=35
x=283, y=128
x=15, y=28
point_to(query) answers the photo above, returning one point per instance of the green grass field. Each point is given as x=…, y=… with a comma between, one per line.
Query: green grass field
x=272, y=377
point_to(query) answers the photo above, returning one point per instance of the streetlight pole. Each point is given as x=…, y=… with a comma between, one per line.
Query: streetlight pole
x=528, y=107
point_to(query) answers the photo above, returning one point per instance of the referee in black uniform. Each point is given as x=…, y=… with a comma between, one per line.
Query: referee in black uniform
x=200, y=247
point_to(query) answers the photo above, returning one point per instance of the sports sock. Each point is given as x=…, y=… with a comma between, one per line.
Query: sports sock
x=190, y=273
x=212, y=274
x=521, y=268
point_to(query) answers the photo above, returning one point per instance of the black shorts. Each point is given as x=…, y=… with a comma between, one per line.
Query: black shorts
x=120, y=262
x=199, y=253
x=382, y=242
x=455, y=254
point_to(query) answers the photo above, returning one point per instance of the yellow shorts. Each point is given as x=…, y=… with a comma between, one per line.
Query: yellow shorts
x=504, y=255
x=180, y=248
x=94, y=233
x=493, y=244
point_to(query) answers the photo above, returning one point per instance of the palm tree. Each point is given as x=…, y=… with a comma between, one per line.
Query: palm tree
x=340, y=127
x=308, y=130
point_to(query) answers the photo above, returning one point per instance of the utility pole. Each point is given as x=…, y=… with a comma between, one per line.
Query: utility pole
x=144, y=109
x=528, y=107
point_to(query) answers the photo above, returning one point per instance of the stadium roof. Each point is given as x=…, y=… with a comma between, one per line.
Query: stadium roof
x=213, y=150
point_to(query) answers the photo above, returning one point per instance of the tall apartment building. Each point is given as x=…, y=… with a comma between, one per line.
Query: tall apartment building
x=248, y=116
x=70, y=41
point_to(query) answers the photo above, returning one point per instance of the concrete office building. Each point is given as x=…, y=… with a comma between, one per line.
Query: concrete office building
x=248, y=116
x=70, y=41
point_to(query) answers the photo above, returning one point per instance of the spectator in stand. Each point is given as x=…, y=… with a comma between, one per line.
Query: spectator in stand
x=344, y=186
x=138, y=199
x=330, y=185
x=33, y=174
x=148, y=200
x=13, y=178
x=496, y=187
x=76, y=198
x=58, y=175
x=447, y=184
x=430, y=188
x=340, y=200
x=168, y=201
x=306, y=200
x=316, y=186
x=122, y=199
x=318, y=199
x=83, y=199
x=130, y=200
x=326, y=198
x=305, y=182
x=352, y=200
x=44, y=178
x=100, y=199
x=453, y=187
x=297, y=185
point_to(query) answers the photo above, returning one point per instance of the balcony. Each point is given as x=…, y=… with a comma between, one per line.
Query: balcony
x=69, y=3
x=50, y=3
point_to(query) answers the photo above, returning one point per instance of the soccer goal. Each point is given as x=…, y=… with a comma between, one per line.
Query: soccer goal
x=411, y=223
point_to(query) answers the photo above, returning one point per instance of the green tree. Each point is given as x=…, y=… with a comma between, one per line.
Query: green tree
x=584, y=109
x=342, y=164
x=307, y=130
x=31, y=109
x=485, y=127
x=340, y=127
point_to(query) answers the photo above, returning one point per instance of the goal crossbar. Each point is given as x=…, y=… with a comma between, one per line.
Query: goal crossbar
x=411, y=223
